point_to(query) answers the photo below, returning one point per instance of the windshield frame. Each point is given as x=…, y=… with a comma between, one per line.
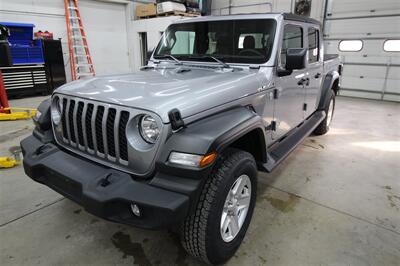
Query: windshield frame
x=202, y=58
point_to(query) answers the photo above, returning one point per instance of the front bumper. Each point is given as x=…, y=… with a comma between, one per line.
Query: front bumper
x=103, y=191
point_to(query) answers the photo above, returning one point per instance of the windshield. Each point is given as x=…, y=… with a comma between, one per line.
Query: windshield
x=231, y=41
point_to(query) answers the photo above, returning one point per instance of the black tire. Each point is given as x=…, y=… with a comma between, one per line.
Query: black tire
x=200, y=232
x=323, y=127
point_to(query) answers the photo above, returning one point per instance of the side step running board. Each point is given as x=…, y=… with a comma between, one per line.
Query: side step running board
x=280, y=150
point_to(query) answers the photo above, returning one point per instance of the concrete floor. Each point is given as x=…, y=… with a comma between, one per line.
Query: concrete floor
x=334, y=201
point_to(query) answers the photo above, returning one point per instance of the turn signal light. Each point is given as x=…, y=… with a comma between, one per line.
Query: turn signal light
x=208, y=159
x=192, y=160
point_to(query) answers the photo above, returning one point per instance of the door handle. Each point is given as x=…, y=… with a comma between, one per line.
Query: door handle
x=301, y=82
x=304, y=81
x=317, y=75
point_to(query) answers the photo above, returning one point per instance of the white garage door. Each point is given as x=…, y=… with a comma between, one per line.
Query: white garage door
x=362, y=32
x=106, y=29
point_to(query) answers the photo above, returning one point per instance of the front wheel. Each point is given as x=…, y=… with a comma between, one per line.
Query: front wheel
x=217, y=227
x=323, y=128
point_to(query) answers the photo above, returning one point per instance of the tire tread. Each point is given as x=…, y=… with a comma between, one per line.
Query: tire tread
x=194, y=228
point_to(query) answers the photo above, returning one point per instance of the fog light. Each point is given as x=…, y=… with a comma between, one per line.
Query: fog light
x=135, y=209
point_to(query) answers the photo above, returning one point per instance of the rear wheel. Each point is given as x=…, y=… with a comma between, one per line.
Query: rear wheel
x=323, y=128
x=217, y=227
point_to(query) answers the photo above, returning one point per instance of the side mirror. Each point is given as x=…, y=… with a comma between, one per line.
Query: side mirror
x=295, y=58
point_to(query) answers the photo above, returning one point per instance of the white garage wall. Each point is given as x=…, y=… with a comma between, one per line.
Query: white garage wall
x=105, y=24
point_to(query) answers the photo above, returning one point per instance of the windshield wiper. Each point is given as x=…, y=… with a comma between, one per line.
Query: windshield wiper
x=218, y=60
x=225, y=65
x=170, y=56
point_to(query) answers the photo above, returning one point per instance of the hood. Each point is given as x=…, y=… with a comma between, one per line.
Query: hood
x=190, y=90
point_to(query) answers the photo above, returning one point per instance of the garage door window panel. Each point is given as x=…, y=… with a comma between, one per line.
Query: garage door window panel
x=350, y=45
x=391, y=46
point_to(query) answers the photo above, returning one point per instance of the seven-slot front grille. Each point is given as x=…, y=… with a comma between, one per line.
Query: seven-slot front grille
x=95, y=128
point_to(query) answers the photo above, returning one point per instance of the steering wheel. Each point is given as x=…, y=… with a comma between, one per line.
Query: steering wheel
x=251, y=51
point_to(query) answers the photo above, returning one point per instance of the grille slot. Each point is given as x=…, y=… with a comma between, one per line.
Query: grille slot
x=123, y=149
x=79, y=123
x=88, y=124
x=110, y=131
x=71, y=120
x=64, y=120
x=97, y=128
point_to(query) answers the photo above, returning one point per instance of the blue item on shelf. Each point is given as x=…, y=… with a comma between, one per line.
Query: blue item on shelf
x=24, y=49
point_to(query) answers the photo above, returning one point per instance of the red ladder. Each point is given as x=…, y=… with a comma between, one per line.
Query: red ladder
x=3, y=96
x=79, y=55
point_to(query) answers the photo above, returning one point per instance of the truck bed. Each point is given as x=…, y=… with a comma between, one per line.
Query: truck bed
x=331, y=62
x=328, y=57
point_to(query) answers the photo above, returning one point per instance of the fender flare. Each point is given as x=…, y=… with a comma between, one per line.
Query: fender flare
x=214, y=133
x=327, y=84
x=44, y=120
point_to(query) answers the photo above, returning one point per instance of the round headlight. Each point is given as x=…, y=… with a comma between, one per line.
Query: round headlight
x=149, y=129
x=56, y=110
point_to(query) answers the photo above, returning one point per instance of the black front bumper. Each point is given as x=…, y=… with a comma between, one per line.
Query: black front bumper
x=103, y=191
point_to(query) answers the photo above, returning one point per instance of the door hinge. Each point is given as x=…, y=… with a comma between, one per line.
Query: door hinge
x=276, y=93
x=305, y=107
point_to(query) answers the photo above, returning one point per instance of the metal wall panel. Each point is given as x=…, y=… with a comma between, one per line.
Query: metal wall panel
x=354, y=8
x=363, y=27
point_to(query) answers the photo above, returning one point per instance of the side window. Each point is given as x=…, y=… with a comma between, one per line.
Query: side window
x=292, y=38
x=313, y=45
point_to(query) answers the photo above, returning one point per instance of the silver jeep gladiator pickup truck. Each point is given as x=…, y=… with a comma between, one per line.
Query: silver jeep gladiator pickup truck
x=179, y=143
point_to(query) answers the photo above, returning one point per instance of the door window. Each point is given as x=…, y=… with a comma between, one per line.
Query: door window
x=292, y=38
x=313, y=45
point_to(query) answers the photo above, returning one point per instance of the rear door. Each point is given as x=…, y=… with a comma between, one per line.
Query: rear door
x=289, y=105
x=315, y=69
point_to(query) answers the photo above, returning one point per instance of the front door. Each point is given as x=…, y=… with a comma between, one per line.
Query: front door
x=290, y=101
